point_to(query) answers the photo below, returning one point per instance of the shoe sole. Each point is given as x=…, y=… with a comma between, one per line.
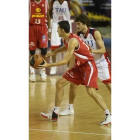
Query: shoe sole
x=53, y=119
x=106, y=124
x=66, y=114
x=43, y=116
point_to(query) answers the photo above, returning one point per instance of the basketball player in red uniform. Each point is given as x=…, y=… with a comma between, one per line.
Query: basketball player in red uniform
x=59, y=10
x=38, y=31
x=93, y=38
x=84, y=71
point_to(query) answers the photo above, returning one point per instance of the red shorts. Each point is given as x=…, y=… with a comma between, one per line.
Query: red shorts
x=38, y=36
x=86, y=74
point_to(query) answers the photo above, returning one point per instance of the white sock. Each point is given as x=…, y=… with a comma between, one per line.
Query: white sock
x=42, y=71
x=32, y=70
x=107, y=111
x=70, y=105
x=56, y=109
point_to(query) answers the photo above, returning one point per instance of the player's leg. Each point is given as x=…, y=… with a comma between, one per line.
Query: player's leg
x=91, y=75
x=104, y=73
x=32, y=48
x=108, y=85
x=99, y=100
x=55, y=44
x=43, y=44
x=43, y=74
x=72, y=93
x=71, y=75
x=53, y=115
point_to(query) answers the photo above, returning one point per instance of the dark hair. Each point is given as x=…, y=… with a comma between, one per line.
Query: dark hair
x=64, y=25
x=83, y=19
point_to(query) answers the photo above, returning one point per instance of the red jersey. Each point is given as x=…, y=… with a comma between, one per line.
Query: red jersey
x=82, y=54
x=38, y=12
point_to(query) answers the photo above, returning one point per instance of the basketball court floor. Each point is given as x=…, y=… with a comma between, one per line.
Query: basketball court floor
x=83, y=125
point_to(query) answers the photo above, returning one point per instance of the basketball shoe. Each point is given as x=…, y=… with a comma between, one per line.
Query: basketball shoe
x=51, y=115
x=53, y=70
x=43, y=75
x=32, y=77
x=67, y=111
x=107, y=120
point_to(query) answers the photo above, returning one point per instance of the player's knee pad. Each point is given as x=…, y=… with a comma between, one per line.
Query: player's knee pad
x=32, y=52
x=43, y=51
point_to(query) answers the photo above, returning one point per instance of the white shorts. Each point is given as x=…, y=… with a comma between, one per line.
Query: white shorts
x=55, y=39
x=104, y=71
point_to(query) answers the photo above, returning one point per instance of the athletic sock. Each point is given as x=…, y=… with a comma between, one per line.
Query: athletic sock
x=32, y=70
x=70, y=105
x=107, y=111
x=56, y=109
x=42, y=71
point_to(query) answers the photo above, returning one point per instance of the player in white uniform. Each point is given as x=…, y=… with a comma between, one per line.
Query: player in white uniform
x=59, y=10
x=94, y=39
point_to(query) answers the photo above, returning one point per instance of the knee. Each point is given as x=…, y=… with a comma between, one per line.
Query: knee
x=91, y=91
x=59, y=84
x=73, y=86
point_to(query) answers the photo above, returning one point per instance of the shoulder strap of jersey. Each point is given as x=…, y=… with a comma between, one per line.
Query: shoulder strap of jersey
x=65, y=0
x=92, y=30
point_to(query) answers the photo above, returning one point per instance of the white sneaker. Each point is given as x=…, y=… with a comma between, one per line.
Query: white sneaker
x=51, y=115
x=43, y=76
x=67, y=111
x=32, y=77
x=107, y=120
x=53, y=70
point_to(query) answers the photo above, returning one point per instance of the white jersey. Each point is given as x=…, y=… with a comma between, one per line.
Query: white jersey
x=89, y=39
x=60, y=11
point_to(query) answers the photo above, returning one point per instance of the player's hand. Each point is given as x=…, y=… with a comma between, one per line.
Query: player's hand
x=45, y=65
x=93, y=51
x=49, y=54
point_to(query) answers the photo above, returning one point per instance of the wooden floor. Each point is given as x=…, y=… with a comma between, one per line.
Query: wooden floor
x=83, y=125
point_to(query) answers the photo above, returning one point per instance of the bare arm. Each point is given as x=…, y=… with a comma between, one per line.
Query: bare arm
x=71, y=46
x=50, y=8
x=99, y=43
x=73, y=8
x=72, y=62
x=61, y=49
x=49, y=20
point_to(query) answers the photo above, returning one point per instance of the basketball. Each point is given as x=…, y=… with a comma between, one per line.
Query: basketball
x=36, y=60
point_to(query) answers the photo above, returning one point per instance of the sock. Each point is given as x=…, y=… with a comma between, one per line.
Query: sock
x=56, y=109
x=107, y=111
x=32, y=70
x=42, y=71
x=70, y=106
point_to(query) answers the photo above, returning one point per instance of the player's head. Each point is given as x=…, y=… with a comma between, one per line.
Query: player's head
x=82, y=21
x=64, y=27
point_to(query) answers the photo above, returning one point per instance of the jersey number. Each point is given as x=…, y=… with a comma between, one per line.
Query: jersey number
x=37, y=21
x=60, y=18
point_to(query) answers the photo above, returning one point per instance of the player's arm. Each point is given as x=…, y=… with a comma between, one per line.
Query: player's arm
x=49, y=20
x=99, y=43
x=50, y=7
x=73, y=8
x=61, y=49
x=71, y=47
x=72, y=62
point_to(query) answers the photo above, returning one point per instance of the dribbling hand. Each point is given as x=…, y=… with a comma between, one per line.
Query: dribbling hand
x=45, y=65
